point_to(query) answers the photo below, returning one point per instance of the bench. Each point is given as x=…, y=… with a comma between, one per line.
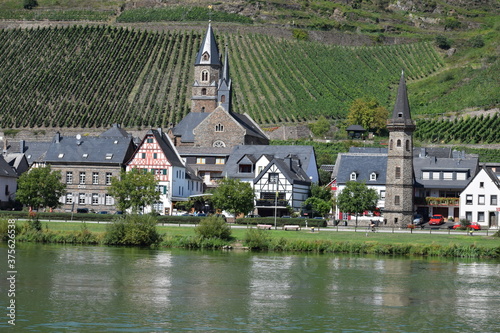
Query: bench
x=264, y=226
x=291, y=227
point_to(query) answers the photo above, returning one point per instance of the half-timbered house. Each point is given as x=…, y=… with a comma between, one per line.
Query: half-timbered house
x=176, y=182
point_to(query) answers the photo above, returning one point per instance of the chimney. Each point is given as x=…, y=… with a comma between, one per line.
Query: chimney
x=422, y=152
x=57, y=137
x=22, y=146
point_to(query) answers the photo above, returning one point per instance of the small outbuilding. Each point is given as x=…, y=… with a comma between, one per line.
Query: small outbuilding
x=356, y=132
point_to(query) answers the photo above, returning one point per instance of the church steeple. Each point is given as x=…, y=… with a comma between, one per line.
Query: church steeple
x=208, y=53
x=224, y=93
x=399, y=200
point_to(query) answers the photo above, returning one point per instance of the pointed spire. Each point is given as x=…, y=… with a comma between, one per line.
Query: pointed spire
x=401, y=113
x=208, y=53
x=225, y=70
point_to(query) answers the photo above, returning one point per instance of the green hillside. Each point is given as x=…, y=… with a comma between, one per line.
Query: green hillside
x=138, y=72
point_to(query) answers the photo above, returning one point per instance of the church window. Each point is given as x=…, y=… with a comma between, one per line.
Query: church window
x=204, y=91
x=398, y=143
x=391, y=144
x=353, y=176
x=223, y=98
x=219, y=128
x=219, y=144
x=203, y=109
x=396, y=200
x=398, y=173
x=407, y=145
x=205, y=56
x=204, y=76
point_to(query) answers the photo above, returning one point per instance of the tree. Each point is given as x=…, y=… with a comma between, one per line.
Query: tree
x=320, y=200
x=442, y=42
x=134, y=190
x=320, y=127
x=368, y=113
x=356, y=198
x=234, y=196
x=30, y=4
x=40, y=188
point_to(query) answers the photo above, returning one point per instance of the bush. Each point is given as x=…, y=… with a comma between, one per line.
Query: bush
x=133, y=230
x=300, y=34
x=257, y=239
x=442, y=42
x=213, y=227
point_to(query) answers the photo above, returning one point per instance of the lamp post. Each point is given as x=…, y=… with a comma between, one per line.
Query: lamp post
x=275, y=205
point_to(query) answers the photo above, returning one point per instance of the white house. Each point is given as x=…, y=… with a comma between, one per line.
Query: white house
x=479, y=200
x=8, y=183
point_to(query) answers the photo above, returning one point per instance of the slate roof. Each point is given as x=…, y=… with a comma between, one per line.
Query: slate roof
x=290, y=168
x=302, y=153
x=250, y=126
x=364, y=164
x=167, y=147
x=185, y=127
x=89, y=150
x=401, y=113
x=210, y=46
x=34, y=150
x=115, y=131
x=204, y=151
x=6, y=170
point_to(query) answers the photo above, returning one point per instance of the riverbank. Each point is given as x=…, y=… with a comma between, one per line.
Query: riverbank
x=322, y=241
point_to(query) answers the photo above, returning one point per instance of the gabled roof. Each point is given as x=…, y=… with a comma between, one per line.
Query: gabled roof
x=363, y=165
x=89, y=150
x=34, y=150
x=289, y=168
x=356, y=128
x=247, y=159
x=167, y=147
x=116, y=131
x=249, y=125
x=209, y=46
x=495, y=177
x=185, y=127
x=302, y=153
x=6, y=170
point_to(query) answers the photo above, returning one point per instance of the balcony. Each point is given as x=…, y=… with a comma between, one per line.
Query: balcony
x=436, y=201
x=270, y=203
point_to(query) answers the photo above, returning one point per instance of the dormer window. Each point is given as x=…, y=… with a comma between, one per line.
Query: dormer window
x=245, y=168
x=205, y=56
x=219, y=128
x=373, y=176
x=400, y=115
x=109, y=156
x=353, y=176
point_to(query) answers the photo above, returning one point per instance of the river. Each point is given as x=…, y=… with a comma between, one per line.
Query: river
x=115, y=289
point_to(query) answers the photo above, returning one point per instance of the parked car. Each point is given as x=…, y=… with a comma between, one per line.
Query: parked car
x=418, y=219
x=473, y=225
x=252, y=216
x=436, y=220
x=82, y=210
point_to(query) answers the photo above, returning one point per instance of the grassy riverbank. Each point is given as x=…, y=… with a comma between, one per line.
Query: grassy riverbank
x=323, y=241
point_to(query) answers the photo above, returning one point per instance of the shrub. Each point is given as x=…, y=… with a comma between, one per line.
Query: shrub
x=300, y=34
x=133, y=230
x=257, y=239
x=213, y=227
x=442, y=42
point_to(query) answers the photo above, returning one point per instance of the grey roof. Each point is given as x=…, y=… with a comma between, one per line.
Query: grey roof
x=210, y=46
x=116, y=131
x=6, y=170
x=401, y=113
x=327, y=167
x=89, y=150
x=290, y=168
x=191, y=174
x=204, y=151
x=34, y=150
x=250, y=126
x=357, y=128
x=167, y=147
x=185, y=127
x=303, y=153
x=18, y=161
x=363, y=165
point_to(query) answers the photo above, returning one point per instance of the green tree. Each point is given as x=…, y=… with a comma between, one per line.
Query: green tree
x=234, y=196
x=133, y=230
x=356, y=198
x=320, y=127
x=368, y=113
x=134, y=189
x=442, y=42
x=40, y=188
x=29, y=4
x=213, y=227
x=320, y=200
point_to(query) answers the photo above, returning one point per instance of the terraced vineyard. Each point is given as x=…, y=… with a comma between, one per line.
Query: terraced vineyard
x=85, y=76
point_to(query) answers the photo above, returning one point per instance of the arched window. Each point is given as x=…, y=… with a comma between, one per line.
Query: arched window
x=223, y=98
x=390, y=144
x=407, y=145
x=204, y=76
x=219, y=144
x=205, y=56
x=202, y=109
x=373, y=176
x=219, y=128
x=354, y=176
x=204, y=91
x=398, y=143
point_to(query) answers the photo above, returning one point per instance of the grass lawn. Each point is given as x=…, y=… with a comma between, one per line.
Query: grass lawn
x=342, y=236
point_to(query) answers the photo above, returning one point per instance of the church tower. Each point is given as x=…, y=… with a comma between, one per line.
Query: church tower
x=398, y=210
x=208, y=76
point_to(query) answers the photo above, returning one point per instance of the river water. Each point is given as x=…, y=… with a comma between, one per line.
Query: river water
x=114, y=289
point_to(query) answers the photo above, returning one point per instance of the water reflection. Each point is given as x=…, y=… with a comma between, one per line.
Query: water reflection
x=92, y=289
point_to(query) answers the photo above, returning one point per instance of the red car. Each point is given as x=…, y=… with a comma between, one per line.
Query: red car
x=436, y=220
x=473, y=225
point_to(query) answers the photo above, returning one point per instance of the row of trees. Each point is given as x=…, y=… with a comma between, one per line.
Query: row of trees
x=42, y=187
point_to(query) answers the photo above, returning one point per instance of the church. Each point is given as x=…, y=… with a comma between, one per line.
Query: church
x=211, y=122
